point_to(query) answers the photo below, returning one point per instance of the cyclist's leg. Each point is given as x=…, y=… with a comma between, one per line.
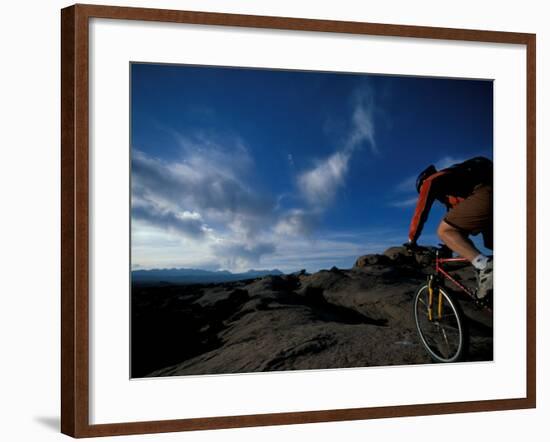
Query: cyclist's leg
x=457, y=240
x=470, y=217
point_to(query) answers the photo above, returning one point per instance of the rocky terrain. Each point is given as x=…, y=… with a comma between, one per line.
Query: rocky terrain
x=334, y=318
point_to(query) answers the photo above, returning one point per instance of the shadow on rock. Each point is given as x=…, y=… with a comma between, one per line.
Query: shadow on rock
x=169, y=329
x=323, y=310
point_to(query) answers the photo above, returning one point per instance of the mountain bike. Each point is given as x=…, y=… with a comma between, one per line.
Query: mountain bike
x=439, y=318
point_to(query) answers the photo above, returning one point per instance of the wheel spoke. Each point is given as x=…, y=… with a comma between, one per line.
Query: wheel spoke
x=446, y=340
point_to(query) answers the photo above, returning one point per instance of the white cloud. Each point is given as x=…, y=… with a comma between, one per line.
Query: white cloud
x=447, y=161
x=203, y=200
x=407, y=202
x=241, y=257
x=297, y=222
x=320, y=184
x=290, y=159
x=407, y=185
x=363, y=129
x=189, y=224
x=208, y=180
x=293, y=254
x=158, y=247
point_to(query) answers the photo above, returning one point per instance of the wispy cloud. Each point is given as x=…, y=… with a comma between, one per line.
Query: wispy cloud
x=407, y=185
x=363, y=129
x=320, y=184
x=297, y=222
x=406, y=202
x=189, y=224
x=290, y=159
x=326, y=252
x=206, y=197
x=447, y=161
x=235, y=255
x=204, y=182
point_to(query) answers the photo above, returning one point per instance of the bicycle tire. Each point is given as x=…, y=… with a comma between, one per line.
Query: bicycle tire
x=434, y=334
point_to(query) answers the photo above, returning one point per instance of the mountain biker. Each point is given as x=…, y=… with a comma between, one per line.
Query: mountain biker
x=466, y=190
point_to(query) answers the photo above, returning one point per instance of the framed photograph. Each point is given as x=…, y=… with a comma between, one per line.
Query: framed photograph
x=272, y=220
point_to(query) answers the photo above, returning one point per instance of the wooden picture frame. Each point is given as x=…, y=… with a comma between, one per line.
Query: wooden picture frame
x=75, y=218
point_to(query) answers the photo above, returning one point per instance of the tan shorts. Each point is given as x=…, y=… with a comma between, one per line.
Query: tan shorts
x=474, y=214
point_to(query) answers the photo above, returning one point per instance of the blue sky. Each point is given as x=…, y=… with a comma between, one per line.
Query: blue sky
x=237, y=168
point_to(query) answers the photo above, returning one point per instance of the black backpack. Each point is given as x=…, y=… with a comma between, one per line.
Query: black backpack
x=478, y=170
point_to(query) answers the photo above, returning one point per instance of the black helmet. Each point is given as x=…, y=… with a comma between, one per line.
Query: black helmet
x=427, y=172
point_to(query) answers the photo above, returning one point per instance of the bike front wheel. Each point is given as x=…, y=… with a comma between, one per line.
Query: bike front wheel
x=443, y=334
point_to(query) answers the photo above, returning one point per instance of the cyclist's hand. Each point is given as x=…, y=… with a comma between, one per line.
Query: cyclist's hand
x=411, y=246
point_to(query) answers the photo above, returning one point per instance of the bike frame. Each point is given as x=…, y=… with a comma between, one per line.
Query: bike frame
x=439, y=269
x=434, y=283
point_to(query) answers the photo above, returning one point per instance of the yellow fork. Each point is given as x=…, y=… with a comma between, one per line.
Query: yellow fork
x=430, y=301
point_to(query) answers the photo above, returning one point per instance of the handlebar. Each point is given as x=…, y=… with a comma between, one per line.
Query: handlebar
x=442, y=250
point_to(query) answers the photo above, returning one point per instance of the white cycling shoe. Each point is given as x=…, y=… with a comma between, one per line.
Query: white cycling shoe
x=485, y=280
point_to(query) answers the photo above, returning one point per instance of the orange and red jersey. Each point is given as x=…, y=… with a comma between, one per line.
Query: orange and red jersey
x=442, y=186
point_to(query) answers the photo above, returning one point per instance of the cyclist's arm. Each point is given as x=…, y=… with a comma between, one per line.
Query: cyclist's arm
x=423, y=206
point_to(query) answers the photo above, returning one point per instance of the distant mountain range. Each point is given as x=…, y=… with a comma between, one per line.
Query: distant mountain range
x=196, y=276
